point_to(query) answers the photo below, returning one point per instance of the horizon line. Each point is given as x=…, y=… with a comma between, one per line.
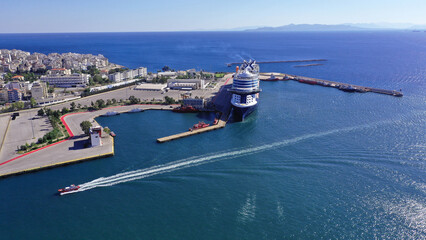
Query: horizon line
x=245, y=30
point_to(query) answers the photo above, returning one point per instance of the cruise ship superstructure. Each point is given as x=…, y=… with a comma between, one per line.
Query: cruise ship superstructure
x=245, y=90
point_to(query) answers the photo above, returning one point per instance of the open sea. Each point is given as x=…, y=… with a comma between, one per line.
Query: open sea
x=310, y=163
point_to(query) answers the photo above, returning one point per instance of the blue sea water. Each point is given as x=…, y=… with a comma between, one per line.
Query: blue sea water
x=310, y=163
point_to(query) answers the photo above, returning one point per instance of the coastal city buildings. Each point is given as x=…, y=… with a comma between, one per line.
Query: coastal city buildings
x=59, y=71
x=129, y=74
x=65, y=81
x=38, y=90
x=14, y=91
x=18, y=60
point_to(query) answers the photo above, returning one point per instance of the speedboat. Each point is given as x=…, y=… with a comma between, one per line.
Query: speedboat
x=70, y=188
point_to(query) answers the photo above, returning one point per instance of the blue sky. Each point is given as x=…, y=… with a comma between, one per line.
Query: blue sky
x=22, y=16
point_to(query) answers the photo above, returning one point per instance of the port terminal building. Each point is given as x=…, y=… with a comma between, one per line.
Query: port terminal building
x=186, y=84
x=151, y=87
x=65, y=81
x=198, y=103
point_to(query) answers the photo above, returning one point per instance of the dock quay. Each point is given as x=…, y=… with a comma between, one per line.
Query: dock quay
x=220, y=124
x=326, y=83
x=284, y=61
x=344, y=86
x=222, y=102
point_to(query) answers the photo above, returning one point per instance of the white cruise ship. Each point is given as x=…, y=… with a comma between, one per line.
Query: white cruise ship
x=245, y=90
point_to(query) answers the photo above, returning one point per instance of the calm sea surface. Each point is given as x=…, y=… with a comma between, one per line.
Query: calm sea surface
x=310, y=163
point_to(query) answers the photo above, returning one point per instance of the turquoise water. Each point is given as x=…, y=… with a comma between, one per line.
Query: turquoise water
x=310, y=163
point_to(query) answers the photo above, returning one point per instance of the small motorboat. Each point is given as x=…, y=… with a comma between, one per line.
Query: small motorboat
x=111, y=113
x=70, y=188
x=135, y=110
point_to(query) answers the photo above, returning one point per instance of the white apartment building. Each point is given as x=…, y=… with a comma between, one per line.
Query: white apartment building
x=64, y=81
x=130, y=74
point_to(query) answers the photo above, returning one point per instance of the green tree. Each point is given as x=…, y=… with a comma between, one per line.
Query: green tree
x=85, y=126
x=33, y=102
x=108, y=102
x=40, y=112
x=100, y=103
x=48, y=111
x=98, y=79
x=91, y=81
x=114, y=101
x=17, y=106
x=56, y=114
x=72, y=106
x=65, y=110
x=169, y=100
x=133, y=100
x=165, y=68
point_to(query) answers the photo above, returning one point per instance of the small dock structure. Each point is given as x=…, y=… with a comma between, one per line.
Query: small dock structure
x=220, y=124
x=223, y=104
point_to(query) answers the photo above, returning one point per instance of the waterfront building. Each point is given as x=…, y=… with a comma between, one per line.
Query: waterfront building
x=198, y=103
x=151, y=87
x=64, y=81
x=95, y=136
x=127, y=75
x=186, y=84
x=142, y=71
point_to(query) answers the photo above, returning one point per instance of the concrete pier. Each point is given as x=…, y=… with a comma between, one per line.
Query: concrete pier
x=345, y=86
x=326, y=83
x=220, y=124
x=222, y=102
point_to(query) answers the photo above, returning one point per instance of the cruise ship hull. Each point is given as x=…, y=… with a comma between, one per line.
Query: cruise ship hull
x=239, y=114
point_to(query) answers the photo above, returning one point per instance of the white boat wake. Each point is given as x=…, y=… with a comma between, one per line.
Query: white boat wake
x=195, y=161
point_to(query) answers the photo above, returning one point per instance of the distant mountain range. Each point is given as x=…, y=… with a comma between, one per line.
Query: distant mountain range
x=341, y=27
